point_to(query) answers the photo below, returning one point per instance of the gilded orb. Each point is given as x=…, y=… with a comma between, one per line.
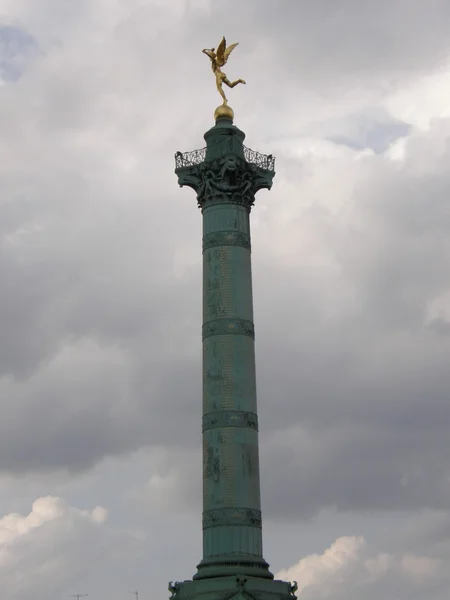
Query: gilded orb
x=224, y=112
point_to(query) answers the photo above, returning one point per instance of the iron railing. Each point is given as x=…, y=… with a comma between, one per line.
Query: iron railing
x=189, y=159
x=195, y=157
x=263, y=161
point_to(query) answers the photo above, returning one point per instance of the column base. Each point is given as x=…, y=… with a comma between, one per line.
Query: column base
x=237, y=587
x=222, y=566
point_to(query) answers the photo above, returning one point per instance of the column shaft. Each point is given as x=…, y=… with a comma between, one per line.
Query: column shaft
x=231, y=487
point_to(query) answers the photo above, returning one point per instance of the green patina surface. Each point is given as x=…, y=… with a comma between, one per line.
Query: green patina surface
x=226, y=176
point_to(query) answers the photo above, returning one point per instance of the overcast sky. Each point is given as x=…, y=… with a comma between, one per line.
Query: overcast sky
x=100, y=291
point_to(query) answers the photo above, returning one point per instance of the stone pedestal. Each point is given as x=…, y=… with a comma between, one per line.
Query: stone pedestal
x=236, y=587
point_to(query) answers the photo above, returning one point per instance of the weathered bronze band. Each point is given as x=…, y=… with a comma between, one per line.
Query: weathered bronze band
x=226, y=238
x=232, y=516
x=223, y=326
x=230, y=418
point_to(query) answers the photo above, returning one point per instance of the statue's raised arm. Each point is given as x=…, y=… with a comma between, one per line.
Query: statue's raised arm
x=218, y=59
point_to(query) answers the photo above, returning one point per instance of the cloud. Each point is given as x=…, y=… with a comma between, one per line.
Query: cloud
x=173, y=482
x=349, y=569
x=51, y=548
x=17, y=48
x=100, y=271
x=322, y=43
x=100, y=251
x=314, y=569
x=365, y=256
x=422, y=100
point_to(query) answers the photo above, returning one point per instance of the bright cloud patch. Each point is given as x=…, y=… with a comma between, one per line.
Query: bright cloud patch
x=46, y=550
x=347, y=569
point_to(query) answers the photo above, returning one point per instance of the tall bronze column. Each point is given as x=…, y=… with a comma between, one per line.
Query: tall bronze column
x=226, y=176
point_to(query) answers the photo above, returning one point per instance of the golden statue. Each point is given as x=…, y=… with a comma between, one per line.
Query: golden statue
x=218, y=58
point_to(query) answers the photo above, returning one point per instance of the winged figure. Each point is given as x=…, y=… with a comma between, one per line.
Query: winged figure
x=218, y=59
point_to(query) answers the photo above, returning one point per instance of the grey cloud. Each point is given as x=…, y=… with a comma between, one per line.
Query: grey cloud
x=100, y=269
x=53, y=546
x=367, y=389
x=399, y=565
x=319, y=40
x=364, y=391
x=102, y=251
x=368, y=132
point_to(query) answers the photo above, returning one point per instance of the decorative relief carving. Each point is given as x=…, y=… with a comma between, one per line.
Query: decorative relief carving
x=230, y=418
x=226, y=180
x=232, y=516
x=229, y=179
x=174, y=588
x=224, y=326
x=226, y=238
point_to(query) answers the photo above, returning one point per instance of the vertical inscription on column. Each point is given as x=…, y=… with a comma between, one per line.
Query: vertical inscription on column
x=225, y=282
x=228, y=454
x=206, y=471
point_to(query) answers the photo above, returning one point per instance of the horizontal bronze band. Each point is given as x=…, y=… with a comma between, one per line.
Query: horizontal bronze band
x=218, y=517
x=223, y=326
x=226, y=238
x=230, y=418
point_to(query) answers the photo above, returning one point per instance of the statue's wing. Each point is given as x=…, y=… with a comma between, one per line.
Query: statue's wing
x=223, y=52
x=220, y=53
x=228, y=51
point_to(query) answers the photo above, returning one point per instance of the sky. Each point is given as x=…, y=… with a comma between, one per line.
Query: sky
x=100, y=303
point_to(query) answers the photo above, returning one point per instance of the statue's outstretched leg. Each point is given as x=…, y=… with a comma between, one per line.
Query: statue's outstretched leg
x=231, y=84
